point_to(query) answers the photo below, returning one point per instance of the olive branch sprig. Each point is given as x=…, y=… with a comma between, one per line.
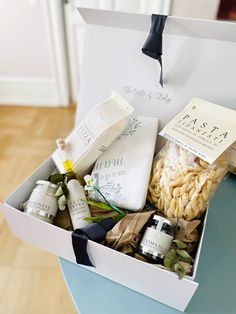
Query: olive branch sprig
x=91, y=186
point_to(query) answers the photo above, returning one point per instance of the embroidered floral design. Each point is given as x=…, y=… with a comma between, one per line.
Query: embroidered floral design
x=132, y=126
x=91, y=186
x=110, y=190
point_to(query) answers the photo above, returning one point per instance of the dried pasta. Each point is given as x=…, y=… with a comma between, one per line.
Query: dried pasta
x=182, y=184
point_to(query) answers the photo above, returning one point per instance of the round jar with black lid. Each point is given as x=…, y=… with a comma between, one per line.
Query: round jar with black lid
x=157, y=239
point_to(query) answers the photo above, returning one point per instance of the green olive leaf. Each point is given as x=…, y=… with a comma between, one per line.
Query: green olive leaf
x=99, y=205
x=62, y=202
x=184, y=255
x=59, y=191
x=179, y=270
x=56, y=178
x=186, y=266
x=180, y=244
x=95, y=219
x=114, y=215
x=117, y=217
x=170, y=258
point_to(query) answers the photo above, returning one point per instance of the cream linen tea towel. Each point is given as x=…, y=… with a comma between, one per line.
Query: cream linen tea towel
x=122, y=172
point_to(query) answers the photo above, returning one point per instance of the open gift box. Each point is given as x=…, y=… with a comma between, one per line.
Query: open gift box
x=199, y=60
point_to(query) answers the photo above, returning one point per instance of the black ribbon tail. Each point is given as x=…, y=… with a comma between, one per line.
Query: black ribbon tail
x=161, y=74
x=79, y=243
x=153, y=44
x=95, y=232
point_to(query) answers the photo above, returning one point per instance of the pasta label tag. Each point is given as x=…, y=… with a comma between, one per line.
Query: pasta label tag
x=203, y=128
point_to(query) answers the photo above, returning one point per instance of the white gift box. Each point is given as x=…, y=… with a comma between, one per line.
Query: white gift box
x=199, y=60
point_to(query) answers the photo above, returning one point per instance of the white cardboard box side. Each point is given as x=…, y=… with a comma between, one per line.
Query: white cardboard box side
x=147, y=279
x=198, y=253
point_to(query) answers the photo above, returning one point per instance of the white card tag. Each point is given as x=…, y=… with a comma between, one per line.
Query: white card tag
x=203, y=128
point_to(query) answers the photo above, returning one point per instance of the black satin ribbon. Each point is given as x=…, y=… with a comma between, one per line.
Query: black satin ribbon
x=95, y=232
x=153, y=44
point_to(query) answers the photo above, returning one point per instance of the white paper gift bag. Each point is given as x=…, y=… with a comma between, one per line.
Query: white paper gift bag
x=198, y=61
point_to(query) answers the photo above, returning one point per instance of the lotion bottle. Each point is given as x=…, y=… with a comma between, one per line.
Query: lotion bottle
x=77, y=205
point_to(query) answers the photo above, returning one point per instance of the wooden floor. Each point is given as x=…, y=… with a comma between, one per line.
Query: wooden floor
x=30, y=279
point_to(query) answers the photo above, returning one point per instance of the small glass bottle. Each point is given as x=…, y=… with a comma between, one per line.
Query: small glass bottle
x=42, y=203
x=157, y=239
x=76, y=202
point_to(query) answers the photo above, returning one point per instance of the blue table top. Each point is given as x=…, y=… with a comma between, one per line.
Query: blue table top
x=216, y=275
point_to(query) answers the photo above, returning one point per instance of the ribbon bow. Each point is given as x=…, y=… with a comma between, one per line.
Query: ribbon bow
x=95, y=232
x=153, y=44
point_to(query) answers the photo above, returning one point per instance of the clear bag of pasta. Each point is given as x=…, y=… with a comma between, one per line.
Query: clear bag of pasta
x=182, y=184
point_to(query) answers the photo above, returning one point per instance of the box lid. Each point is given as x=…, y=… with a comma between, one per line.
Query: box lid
x=198, y=61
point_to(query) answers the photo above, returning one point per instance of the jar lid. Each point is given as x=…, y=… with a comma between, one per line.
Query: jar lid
x=44, y=182
x=162, y=220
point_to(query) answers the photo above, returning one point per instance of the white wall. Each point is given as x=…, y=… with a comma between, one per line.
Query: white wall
x=25, y=46
x=205, y=9
x=28, y=73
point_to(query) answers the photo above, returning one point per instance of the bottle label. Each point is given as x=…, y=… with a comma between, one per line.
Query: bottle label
x=156, y=242
x=42, y=202
x=77, y=206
